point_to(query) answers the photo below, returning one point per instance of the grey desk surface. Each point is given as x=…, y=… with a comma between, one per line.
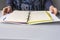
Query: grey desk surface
x=50, y=31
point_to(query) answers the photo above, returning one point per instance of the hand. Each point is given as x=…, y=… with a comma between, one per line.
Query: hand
x=6, y=10
x=53, y=9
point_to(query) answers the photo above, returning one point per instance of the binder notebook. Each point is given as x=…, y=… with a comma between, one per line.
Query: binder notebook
x=39, y=17
x=17, y=17
x=29, y=17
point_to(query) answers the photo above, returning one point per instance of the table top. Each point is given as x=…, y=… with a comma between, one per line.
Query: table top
x=48, y=31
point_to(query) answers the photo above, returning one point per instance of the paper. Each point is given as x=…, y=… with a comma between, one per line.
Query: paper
x=39, y=16
x=18, y=16
x=2, y=18
x=29, y=17
x=54, y=17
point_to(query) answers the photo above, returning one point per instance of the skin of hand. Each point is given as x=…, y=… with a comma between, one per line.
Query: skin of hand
x=53, y=10
x=6, y=10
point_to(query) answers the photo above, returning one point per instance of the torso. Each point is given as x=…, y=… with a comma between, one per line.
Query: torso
x=27, y=4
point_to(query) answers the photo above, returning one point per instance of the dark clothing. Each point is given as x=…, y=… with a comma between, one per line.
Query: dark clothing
x=30, y=4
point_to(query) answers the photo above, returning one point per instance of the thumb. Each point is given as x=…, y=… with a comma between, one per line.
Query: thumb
x=51, y=9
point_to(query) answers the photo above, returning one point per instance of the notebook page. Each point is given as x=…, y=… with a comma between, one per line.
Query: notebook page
x=18, y=16
x=39, y=16
x=3, y=17
x=54, y=17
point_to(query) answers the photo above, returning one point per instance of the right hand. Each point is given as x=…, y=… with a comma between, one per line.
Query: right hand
x=53, y=10
x=6, y=10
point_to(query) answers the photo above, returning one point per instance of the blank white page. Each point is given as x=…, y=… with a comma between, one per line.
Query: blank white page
x=41, y=16
x=18, y=16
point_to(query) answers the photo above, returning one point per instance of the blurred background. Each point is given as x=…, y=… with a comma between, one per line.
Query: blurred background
x=56, y=3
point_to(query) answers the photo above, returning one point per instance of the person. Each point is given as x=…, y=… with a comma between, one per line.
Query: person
x=29, y=5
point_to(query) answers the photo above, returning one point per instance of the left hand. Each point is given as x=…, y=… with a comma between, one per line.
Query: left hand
x=53, y=9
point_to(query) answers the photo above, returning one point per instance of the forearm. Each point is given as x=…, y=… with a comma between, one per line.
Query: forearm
x=9, y=3
x=48, y=3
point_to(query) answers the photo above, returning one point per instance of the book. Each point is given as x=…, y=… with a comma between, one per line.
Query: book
x=28, y=17
x=39, y=17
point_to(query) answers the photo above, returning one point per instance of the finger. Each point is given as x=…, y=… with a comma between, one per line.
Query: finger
x=51, y=9
x=55, y=11
x=9, y=10
x=4, y=11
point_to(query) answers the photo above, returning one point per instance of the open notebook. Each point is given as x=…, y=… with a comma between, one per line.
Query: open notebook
x=29, y=17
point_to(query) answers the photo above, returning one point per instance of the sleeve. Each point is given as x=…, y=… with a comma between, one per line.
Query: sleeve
x=48, y=3
x=9, y=2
